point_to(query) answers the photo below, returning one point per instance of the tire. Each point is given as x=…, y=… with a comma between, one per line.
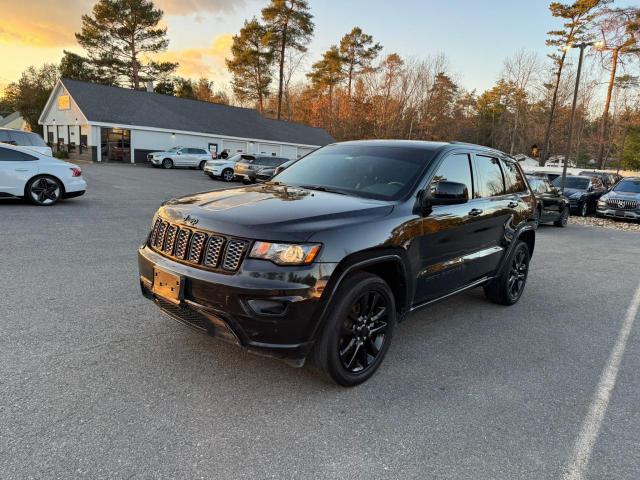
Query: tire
x=201, y=165
x=564, y=218
x=246, y=181
x=44, y=190
x=167, y=163
x=227, y=175
x=507, y=288
x=584, y=209
x=352, y=345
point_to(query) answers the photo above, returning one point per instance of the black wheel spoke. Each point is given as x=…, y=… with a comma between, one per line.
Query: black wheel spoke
x=372, y=347
x=378, y=328
x=355, y=354
x=381, y=313
x=348, y=347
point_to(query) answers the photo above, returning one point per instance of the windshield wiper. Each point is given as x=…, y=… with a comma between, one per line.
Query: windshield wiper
x=320, y=188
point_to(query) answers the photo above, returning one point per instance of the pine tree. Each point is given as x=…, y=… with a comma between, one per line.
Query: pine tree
x=119, y=33
x=358, y=50
x=289, y=24
x=327, y=73
x=250, y=64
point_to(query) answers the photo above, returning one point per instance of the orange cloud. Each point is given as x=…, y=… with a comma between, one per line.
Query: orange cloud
x=201, y=62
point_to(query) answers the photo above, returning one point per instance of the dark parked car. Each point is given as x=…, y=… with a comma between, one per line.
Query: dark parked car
x=247, y=168
x=324, y=261
x=622, y=201
x=607, y=179
x=552, y=205
x=583, y=192
x=267, y=173
x=550, y=176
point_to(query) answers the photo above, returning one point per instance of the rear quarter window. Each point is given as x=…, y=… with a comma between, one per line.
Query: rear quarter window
x=514, y=182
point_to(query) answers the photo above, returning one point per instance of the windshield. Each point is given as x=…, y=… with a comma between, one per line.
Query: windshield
x=578, y=183
x=234, y=158
x=174, y=149
x=372, y=171
x=629, y=186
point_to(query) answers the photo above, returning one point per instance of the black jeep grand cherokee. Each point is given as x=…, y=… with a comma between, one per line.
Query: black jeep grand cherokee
x=323, y=261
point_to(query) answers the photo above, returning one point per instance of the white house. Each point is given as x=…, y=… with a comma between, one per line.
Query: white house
x=103, y=123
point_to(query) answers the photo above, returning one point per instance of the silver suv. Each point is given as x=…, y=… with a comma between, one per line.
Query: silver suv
x=622, y=201
x=21, y=138
x=180, y=157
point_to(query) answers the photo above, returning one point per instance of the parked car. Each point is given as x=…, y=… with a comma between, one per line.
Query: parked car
x=223, y=168
x=550, y=176
x=247, y=168
x=608, y=179
x=583, y=192
x=266, y=173
x=36, y=177
x=552, y=205
x=622, y=201
x=180, y=157
x=20, y=138
x=321, y=264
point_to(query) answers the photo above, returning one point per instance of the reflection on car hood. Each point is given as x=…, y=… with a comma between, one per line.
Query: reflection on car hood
x=570, y=191
x=272, y=212
x=623, y=195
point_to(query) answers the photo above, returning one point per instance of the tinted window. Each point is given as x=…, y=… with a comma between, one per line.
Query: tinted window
x=21, y=138
x=455, y=168
x=490, y=181
x=366, y=170
x=36, y=140
x=630, y=186
x=8, y=155
x=4, y=136
x=513, y=178
x=579, y=183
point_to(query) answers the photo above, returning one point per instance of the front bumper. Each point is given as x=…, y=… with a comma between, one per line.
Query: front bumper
x=265, y=308
x=217, y=171
x=615, y=213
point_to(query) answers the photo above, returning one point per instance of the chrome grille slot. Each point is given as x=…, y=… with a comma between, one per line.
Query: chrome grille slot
x=182, y=243
x=170, y=240
x=233, y=254
x=212, y=254
x=623, y=204
x=159, y=240
x=197, y=243
x=154, y=232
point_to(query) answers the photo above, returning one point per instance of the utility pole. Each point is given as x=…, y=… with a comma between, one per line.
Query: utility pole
x=581, y=46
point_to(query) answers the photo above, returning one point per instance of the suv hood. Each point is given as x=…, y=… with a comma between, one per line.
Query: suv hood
x=271, y=212
x=570, y=191
x=623, y=195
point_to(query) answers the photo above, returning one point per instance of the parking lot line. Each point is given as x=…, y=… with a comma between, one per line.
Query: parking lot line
x=591, y=425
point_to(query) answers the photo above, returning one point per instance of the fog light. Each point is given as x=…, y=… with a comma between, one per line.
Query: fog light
x=267, y=307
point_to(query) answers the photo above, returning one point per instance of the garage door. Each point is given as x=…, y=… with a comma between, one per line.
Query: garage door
x=269, y=149
x=303, y=151
x=235, y=147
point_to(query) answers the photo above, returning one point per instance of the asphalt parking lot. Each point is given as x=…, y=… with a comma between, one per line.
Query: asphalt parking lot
x=96, y=383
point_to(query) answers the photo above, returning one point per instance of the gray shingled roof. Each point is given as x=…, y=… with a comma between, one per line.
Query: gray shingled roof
x=101, y=103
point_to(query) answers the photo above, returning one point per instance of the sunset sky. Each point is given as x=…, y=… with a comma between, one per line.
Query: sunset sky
x=475, y=35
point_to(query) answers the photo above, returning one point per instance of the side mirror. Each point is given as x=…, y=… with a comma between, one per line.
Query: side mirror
x=445, y=193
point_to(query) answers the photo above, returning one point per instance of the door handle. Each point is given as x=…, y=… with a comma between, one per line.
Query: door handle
x=22, y=169
x=475, y=212
x=513, y=204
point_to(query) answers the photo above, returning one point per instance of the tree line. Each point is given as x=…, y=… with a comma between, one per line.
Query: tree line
x=355, y=91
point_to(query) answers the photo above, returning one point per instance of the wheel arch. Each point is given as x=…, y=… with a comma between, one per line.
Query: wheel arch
x=39, y=175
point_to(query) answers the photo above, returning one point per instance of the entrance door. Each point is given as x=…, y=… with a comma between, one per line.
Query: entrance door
x=115, y=144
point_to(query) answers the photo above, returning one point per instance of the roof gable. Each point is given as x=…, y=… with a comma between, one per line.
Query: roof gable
x=104, y=104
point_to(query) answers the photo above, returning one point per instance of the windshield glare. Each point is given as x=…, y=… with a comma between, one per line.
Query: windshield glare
x=372, y=171
x=577, y=183
x=174, y=149
x=629, y=186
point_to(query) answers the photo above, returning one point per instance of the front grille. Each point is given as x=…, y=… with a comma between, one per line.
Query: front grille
x=622, y=204
x=197, y=247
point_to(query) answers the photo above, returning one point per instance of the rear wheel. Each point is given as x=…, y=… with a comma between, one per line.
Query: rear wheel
x=44, y=190
x=358, y=330
x=564, y=218
x=227, y=174
x=167, y=163
x=507, y=288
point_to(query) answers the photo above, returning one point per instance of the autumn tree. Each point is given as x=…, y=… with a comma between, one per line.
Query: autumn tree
x=577, y=18
x=358, y=51
x=250, y=64
x=290, y=26
x=620, y=31
x=30, y=93
x=326, y=74
x=119, y=36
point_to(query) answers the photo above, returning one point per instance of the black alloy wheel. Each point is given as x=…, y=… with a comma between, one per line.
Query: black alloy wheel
x=357, y=331
x=44, y=191
x=227, y=174
x=167, y=163
x=507, y=288
x=564, y=218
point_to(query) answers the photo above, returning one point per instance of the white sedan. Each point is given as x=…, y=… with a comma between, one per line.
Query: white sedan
x=41, y=179
x=222, y=167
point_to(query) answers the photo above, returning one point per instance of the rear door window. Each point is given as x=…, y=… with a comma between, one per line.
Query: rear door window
x=490, y=179
x=8, y=155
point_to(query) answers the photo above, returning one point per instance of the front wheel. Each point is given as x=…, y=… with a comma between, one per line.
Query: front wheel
x=584, y=209
x=564, y=218
x=44, y=191
x=167, y=163
x=358, y=330
x=227, y=174
x=507, y=288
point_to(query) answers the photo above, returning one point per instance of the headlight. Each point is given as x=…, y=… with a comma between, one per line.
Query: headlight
x=285, y=253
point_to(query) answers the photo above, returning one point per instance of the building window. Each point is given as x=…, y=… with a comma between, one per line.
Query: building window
x=115, y=145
